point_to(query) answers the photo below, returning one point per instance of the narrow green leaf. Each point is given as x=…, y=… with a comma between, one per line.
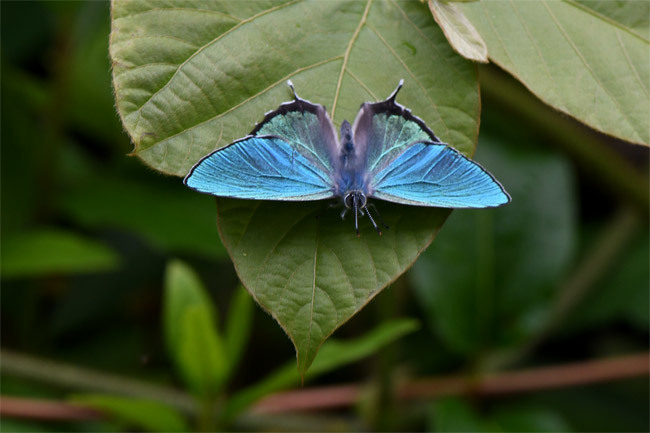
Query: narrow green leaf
x=238, y=325
x=47, y=251
x=337, y=353
x=185, y=90
x=191, y=332
x=586, y=59
x=460, y=33
x=333, y=354
x=143, y=414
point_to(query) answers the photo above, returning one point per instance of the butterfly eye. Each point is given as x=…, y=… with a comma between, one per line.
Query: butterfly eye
x=348, y=200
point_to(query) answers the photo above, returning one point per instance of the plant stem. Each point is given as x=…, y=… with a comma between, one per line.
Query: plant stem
x=72, y=376
x=321, y=398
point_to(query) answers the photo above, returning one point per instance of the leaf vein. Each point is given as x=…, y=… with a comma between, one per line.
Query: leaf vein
x=346, y=55
x=405, y=66
x=261, y=92
x=207, y=44
x=588, y=67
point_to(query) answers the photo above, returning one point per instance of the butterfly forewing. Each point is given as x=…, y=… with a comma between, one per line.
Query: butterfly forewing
x=433, y=174
x=261, y=168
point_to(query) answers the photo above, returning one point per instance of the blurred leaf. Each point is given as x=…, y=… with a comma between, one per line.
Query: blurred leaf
x=238, y=325
x=489, y=280
x=191, y=332
x=169, y=218
x=522, y=419
x=460, y=33
x=452, y=414
x=587, y=59
x=26, y=426
x=23, y=98
x=91, y=107
x=333, y=354
x=183, y=90
x=623, y=295
x=33, y=22
x=47, y=251
x=144, y=414
x=613, y=407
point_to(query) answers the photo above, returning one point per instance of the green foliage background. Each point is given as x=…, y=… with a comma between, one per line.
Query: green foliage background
x=110, y=266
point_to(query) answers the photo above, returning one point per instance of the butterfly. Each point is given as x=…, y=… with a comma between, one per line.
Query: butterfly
x=295, y=154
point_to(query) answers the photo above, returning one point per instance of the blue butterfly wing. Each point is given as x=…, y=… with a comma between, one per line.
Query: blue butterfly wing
x=288, y=156
x=434, y=174
x=307, y=128
x=382, y=130
x=261, y=168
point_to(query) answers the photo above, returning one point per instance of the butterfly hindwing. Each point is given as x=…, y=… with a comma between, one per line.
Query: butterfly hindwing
x=261, y=168
x=382, y=130
x=306, y=127
x=434, y=174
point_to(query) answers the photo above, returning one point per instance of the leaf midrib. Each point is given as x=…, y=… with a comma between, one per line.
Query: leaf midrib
x=346, y=55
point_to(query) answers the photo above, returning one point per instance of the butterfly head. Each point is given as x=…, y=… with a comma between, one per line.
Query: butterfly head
x=354, y=200
x=357, y=202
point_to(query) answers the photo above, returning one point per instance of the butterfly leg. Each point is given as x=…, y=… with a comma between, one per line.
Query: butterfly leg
x=343, y=212
x=381, y=220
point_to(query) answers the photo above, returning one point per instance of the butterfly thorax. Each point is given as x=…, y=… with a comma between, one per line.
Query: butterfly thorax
x=349, y=180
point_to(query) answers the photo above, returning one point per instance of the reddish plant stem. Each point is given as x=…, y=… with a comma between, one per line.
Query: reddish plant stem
x=320, y=398
x=45, y=410
x=517, y=381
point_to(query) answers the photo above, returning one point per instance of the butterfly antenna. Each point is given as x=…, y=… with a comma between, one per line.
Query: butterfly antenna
x=293, y=89
x=394, y=94
x=374, y=224
x=381, y=220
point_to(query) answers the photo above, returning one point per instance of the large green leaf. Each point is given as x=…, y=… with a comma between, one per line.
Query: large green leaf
x=191, y=77
x=587, y=59
x=489, y=280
